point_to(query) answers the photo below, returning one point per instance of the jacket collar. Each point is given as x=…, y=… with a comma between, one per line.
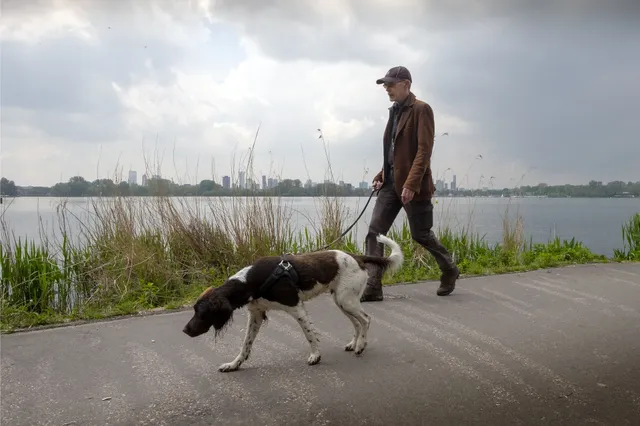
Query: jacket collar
x=408, y=102
x=404, y=116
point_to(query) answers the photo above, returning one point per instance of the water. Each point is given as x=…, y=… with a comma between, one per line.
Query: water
x=594, y=221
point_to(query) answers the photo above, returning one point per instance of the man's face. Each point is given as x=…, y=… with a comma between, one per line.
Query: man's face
x=396, y=91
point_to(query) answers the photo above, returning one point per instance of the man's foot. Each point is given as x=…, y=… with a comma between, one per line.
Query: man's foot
x=448, y=282
x=373, y=290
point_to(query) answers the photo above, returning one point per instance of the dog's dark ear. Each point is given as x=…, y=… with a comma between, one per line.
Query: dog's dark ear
x=219, y=311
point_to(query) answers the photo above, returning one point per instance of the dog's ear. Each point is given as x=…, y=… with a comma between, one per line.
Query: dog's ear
x=218, y=311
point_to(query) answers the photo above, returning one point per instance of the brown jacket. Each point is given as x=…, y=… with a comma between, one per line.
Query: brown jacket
x=412, y=152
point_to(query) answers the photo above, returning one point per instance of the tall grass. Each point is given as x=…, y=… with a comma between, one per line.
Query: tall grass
x=631, y=240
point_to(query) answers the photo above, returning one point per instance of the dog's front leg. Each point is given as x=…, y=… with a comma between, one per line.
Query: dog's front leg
x=299, y=312
x=254, y=321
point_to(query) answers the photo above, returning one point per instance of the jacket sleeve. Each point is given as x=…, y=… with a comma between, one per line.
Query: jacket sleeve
x=425, y=133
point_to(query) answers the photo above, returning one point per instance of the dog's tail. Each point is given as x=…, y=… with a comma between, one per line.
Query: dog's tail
x=391, y=263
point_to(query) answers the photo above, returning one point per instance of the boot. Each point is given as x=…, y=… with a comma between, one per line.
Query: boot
x=373, y=289
x=448, y=281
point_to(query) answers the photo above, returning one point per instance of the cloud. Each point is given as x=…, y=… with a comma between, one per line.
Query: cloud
x=545, y=89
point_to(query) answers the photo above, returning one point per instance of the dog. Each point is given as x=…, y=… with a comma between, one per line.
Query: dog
x=342, y=274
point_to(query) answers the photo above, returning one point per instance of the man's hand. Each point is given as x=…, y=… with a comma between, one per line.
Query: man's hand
x=377, y=185
x=407, y=195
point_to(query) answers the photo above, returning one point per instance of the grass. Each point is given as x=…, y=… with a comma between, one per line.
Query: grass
x=139, y=253
x=631, y=238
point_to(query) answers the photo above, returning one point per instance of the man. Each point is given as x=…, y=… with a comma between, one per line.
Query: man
x=405, y=181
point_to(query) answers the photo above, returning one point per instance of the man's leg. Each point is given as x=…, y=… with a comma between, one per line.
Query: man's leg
x=420, y=215
x=385, y=211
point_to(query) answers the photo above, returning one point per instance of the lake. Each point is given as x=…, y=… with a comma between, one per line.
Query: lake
x=594, y=221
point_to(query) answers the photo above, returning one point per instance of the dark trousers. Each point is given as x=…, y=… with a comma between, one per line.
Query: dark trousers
x=420, y=215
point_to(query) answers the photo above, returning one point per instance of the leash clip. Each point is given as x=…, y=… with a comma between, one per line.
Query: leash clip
x=285, y=265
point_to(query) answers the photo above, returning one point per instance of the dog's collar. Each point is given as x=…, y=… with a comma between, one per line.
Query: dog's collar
x=283, y=268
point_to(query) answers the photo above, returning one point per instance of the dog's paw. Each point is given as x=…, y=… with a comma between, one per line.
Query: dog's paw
x=350, y=346
x=360, y=347
x=229, y=366
x=313, y=359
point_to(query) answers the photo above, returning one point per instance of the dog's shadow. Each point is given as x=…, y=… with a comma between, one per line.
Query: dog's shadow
x=334, y=361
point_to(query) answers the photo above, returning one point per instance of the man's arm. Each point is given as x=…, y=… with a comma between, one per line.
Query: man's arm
x=422, y=161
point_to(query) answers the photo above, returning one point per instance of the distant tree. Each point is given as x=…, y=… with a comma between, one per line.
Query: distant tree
x=8, y=187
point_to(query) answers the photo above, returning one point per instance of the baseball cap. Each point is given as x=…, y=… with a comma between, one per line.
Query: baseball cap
x=395, y=74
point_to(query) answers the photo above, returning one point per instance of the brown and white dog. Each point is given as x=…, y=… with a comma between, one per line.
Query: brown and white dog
x=342, y=274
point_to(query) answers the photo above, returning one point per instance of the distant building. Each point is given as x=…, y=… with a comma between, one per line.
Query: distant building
x=144, y=179
x=226, y=182
x=133, y=177
x=454, y=184
x=252, y=185
x=241, y=180
x=264, y=182
x=363, y=185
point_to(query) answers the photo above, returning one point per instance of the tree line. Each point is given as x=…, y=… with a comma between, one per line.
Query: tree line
x=77, y=186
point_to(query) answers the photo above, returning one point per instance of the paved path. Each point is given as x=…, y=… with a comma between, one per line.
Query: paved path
x=548, y=347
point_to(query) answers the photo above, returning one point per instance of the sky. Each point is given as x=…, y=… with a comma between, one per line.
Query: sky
x=529, y=92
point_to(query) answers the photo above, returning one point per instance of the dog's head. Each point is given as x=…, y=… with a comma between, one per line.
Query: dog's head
x=212, y=309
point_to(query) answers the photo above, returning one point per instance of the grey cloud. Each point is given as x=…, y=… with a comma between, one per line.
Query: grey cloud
x=63, y=85
x=59, y=87
x=560, y=99
x=66, y=75
x=290, y=30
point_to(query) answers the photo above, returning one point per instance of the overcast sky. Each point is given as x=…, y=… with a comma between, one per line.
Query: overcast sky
x=547, y=89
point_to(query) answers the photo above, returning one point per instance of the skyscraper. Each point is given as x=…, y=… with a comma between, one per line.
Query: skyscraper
x=241, y=180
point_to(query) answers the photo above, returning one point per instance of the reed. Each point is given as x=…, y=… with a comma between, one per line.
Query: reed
x=631, y=240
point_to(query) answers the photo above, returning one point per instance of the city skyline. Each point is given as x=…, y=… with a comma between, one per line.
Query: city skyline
x=270, y=182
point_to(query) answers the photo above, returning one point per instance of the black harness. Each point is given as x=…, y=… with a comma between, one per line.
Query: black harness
x=284, y=268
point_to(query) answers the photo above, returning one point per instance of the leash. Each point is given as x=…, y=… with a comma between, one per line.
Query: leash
x=285, y=268
x=326, y=246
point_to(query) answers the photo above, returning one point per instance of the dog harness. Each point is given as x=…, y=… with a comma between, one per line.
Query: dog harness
x=283, y=268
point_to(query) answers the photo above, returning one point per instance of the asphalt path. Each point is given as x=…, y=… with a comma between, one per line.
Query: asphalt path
x=558, y=346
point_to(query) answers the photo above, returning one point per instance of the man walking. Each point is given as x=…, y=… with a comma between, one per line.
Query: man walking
x=405, y=181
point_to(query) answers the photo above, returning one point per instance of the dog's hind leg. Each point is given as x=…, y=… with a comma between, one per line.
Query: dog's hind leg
x=348, y=300
x=299, y=312
x=356, y=325
x=254, y=321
